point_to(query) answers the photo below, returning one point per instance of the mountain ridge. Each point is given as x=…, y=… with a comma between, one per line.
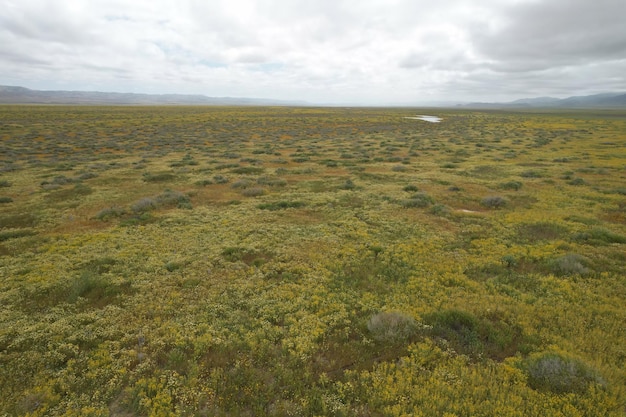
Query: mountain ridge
x=23, y=95
x=603, y=100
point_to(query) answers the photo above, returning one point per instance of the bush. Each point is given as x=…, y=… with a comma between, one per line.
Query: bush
x=4, y=183
x=492, y=335
x=560, y=374
x=109, y=213
x=5, y=200
x=599, y=236
x=417, y=200
x=144, y=205
x=541, y=231
x=494, y=202
x=253, y=192
x=241, y=183
x=570, y=264
x=511, y=185
x=171, y=198
x=158, y=177
x=392, y=327
x=281, y=205
x=220, y=179
x=348, y=185
x=411, y=188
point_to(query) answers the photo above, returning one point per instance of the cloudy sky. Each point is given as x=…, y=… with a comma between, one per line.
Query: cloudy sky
x=321, y=51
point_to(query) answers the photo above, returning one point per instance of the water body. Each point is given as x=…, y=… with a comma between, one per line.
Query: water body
x=431, y=119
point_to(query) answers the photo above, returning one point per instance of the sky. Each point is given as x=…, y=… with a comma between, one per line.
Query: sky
x=370, y=52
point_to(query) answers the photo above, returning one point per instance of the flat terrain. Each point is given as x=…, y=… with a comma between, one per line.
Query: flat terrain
x=311, y=261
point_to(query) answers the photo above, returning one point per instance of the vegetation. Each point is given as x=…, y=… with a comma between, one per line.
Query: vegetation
x=209, y=261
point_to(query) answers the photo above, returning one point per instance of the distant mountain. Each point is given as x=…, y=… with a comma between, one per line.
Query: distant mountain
x=21, y=95
x=607, y=100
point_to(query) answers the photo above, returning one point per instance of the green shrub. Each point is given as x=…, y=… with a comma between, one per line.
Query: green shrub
x=203, y=183
x=577, y=181
x=5, y=200
x=4, y=184
x=392, y=327
x=14, y=221
x=410, y=188
x=281, y=205
x=489, y=336
x=348, y=185
x=560, y=374
x=541, y=231
x=600, y=236
x=14, y=234
x=511, y=185
x=418, y=200
x=248, y=170
x=158, y=177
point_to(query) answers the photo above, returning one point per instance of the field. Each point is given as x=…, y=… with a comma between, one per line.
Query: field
x=210, y=261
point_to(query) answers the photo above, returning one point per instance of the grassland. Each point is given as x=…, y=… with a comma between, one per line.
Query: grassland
x=163, y=261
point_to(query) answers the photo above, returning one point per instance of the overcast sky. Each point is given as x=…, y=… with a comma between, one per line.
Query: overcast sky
x=321, y=51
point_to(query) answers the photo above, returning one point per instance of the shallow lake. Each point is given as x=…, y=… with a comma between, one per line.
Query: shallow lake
x=432, y=119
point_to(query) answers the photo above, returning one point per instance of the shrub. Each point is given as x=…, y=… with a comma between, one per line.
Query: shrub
x=600, y=235
x=577, y=181
x=14, y=234
x=570, y=264
x=18, y=220
x=248, y=170
x=271, y=182
x=468, y=334
x=220, y=179
x=144, y=205
x=174, y=198
x=281, y=205
x=560, y=374
x=241, y=183
x=158, y=177
x=440, y=210
x=531, y=174
x=253, y=192
x=392, y=327
x=204, y=183
x=541, y=231
x=410, y=188
x=4, y=183
x=399, y=168
x=417, y=200
x=87, y=176
x=494, y=202
x=5, y=200
x=109, y=213
x=511, y=185
x=348, y=185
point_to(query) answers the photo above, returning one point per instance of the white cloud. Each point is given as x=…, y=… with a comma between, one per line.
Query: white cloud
x=369, y=51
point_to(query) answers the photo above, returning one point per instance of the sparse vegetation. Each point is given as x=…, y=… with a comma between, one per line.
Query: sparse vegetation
x=311, y=261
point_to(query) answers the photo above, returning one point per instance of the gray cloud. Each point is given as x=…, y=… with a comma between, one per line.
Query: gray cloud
x=370, y=51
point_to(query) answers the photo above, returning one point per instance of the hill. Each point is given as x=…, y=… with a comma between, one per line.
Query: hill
x=606, y=101
x=22, y=95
